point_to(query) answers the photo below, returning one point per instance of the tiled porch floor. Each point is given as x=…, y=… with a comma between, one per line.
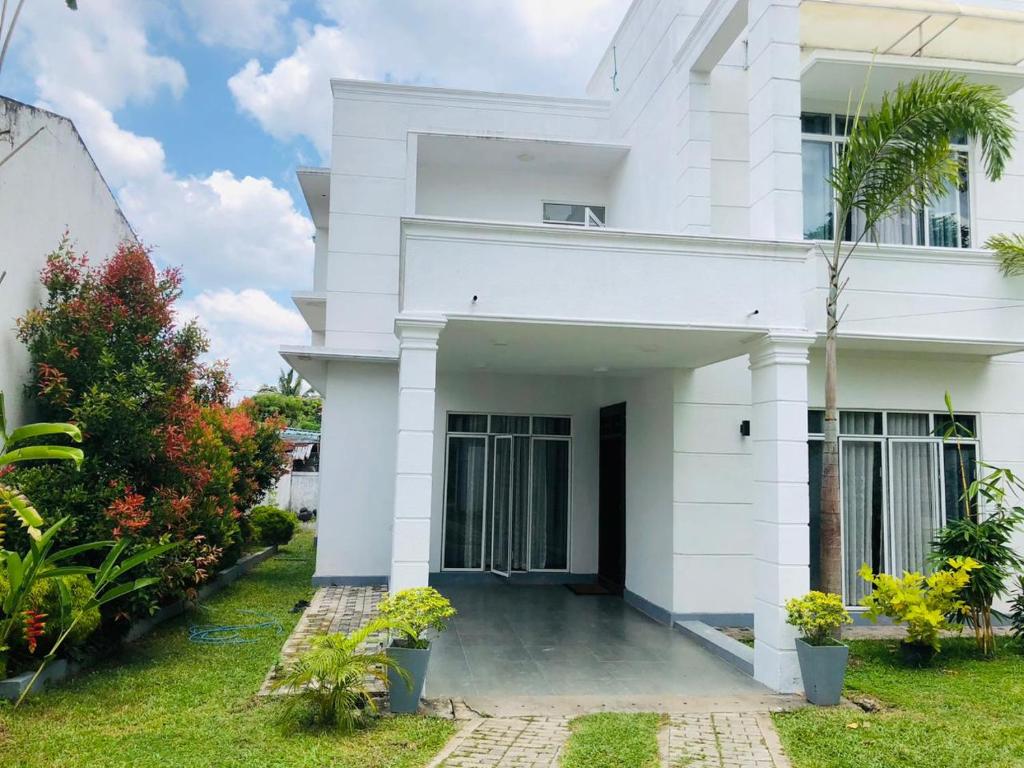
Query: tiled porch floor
x=544, y=640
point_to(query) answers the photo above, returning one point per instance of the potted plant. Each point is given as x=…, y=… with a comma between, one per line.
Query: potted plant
x=924, y=603
x=412, y=614
x=818, y=616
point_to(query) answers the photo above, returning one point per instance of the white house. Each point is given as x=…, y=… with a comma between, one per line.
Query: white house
x=544, y=327
x=49, y=185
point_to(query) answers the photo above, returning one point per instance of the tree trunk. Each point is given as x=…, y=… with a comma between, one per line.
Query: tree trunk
x=831, y=527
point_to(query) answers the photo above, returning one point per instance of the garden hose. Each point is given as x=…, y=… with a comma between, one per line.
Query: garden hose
x=233, y=634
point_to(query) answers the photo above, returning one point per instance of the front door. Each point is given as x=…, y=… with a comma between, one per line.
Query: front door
x=611, y=565
x=501, y=507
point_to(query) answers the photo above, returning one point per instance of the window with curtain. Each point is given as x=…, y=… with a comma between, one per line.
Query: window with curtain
x=902, y=475
x=944, y=224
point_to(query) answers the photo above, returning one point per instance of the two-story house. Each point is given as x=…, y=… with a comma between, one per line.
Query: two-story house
x=568, y=339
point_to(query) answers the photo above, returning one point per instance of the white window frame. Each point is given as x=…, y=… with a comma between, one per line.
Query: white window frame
x=588, y=215
x=886, y=440
x=486, y=542
x=835, y=139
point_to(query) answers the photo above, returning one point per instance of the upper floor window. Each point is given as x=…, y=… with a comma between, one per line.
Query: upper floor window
x=944, y=224
x=574, y=214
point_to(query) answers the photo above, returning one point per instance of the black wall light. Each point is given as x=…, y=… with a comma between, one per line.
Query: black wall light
x=745, y=428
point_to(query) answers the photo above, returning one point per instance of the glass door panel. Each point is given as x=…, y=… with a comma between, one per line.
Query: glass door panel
x=520, y=503
x=549, y=513
x=465, y=497
x=862, y=502
x=501, y=506
x=915, y=512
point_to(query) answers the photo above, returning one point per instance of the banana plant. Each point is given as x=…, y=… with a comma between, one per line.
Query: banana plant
x=13, y=450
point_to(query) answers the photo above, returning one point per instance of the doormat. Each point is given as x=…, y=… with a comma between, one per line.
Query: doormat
x=590, y=588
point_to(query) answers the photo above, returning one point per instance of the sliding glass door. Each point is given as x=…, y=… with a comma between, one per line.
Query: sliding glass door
x=507, y=494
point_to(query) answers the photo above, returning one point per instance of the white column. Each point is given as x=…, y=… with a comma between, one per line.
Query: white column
x=776, y=176
x=414, y=466
x=694, y=182
x=778, y=370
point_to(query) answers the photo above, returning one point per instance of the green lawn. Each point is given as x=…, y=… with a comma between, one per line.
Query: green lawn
x=169, y=702
x=613, y=740
x=964, y=712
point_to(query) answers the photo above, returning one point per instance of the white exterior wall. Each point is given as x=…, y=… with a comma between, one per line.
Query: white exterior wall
x=50, y=186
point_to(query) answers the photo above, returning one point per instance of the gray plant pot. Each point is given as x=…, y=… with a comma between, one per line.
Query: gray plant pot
x=414, y=661
x=823, y=668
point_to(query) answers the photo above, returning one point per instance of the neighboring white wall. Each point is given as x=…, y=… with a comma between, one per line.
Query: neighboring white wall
x=478, y=193
x=357, y=470
x=730, y=173
x=304, y=491
x=50, y=186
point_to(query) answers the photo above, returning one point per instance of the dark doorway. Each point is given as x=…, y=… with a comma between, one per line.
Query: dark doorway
x=611, y=549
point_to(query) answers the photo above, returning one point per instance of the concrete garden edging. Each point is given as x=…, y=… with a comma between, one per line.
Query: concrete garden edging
x=12, y=687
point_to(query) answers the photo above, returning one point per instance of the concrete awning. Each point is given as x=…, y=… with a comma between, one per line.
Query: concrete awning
x=991, y=32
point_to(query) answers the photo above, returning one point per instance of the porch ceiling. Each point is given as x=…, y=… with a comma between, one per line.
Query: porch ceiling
x=569, y=349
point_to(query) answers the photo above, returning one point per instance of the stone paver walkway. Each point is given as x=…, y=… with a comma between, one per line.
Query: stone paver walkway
x=724, y=740
x=719, y=740
x=332, y=609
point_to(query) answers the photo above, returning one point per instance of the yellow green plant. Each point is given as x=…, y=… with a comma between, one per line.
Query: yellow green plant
x=818, y=616
x=414, y=611
x=924, y=603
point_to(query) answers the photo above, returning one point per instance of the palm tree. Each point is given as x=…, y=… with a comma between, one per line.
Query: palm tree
x=288, y=383
x=1010, y=250
x=896, y=158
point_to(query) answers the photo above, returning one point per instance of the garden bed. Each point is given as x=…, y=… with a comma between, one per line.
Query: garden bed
x=12, y=687
x=168, y=701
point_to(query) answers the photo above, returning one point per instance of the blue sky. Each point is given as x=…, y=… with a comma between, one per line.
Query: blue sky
x=198, y=111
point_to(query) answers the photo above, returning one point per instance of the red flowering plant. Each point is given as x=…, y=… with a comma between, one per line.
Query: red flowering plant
x=166, y=457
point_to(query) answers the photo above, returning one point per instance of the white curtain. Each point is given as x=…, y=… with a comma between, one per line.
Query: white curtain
x=894, y=230
x=860, y=517
x=464, y=513
x=549, y=519
x=908, y=424
x=914, y=504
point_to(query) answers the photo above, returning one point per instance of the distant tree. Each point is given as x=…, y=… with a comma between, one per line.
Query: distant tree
x=289, y=383
x=295, y=411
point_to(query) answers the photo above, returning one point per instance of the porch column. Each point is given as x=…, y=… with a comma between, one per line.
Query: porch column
x=778, y=371
x=776, y=174
x=694, y=182
x=414, y=466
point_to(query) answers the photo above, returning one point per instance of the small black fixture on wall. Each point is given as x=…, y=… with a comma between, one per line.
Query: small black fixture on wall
x=745, y=428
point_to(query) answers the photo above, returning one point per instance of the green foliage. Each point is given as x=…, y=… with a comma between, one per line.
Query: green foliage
x=164, y=701
x=923, y=603
x=296, y=411
x=329, y=684
x=415, y=611
x=272, y=525
x=818, y=616
x=45, y=597
x=613, y=740
x=289, y=383
x=166, y=457
x=1010, y=250
x=1017, y=613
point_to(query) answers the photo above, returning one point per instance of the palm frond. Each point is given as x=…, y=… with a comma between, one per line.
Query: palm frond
x=900, y=157
x=1010, y=250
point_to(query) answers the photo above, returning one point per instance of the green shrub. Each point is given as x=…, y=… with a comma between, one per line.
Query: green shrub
x=273, y=525
x=924, y=603
x=818, y=615
x=44, y=597
x=413, y=611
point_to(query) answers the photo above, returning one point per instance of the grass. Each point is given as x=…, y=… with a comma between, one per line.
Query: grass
x=613, y=740
x=964, y=711
x=172, y=702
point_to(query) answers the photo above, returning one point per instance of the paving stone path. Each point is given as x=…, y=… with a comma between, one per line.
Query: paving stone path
x=720, y=740
x=332, y=609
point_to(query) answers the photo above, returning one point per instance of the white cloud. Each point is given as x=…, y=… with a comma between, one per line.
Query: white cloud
x=239, y=324
x=294, y=97
x=528, y=45
x=223, y=230
x=101, y=49
x=243, y=24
